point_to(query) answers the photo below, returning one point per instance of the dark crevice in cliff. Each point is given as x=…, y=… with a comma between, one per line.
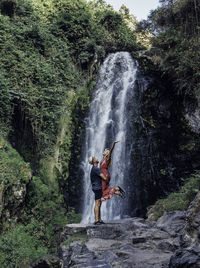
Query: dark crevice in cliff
x=21, y=135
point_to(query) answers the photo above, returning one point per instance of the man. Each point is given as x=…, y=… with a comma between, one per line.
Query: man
x=96, y=176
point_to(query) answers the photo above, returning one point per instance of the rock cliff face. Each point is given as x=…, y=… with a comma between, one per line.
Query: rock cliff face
x=172, y=241
x=166, y=141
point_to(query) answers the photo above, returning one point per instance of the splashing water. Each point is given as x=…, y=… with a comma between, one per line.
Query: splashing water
x=108, y=120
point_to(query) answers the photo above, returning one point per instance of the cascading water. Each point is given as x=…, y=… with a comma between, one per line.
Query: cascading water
x=109, y=120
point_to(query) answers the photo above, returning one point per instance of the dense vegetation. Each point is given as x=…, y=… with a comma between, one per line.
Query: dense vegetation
x=50, y=52
x=175, y=45
x=47, y=48
x=174, y=56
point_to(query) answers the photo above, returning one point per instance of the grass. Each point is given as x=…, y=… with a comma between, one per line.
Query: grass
x=178, y=200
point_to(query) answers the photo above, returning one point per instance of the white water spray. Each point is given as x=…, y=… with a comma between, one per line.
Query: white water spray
x=107, y=122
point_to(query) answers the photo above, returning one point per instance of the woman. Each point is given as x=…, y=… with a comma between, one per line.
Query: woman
x=108, y=192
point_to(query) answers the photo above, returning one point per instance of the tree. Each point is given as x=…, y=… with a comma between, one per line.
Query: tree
x=167, y=3
x=124, y=10
x=8, y=7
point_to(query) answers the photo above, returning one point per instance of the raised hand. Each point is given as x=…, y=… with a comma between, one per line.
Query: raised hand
x=113, y=147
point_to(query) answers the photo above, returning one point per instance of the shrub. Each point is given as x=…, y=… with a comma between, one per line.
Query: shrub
x=18, y=248
x=176, y=201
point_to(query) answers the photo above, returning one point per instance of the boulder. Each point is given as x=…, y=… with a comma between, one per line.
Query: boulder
x=172, y=222
x=186, y=258
x=193, y=218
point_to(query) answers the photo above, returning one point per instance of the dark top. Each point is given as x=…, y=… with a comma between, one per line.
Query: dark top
x=95, y=178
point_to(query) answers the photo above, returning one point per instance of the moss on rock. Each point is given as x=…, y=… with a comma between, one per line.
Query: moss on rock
x=178, y=200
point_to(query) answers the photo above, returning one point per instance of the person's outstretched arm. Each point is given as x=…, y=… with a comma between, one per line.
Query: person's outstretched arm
x=112, y=148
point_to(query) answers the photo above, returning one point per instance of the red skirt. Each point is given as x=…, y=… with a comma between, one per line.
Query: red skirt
x=107, y=192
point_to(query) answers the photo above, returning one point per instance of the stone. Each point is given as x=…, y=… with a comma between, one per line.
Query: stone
x=193, y=218
x=129, y=242
x=172, y=222
x=185, y=258
x=104, y=231
x=172, y=241
x=194, y=120
x=71, y=229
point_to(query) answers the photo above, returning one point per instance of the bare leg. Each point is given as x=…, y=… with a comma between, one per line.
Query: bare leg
x=97, y=210
x=100, y=210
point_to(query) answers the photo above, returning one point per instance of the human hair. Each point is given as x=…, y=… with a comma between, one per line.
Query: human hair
x=91, y=160
x=106, y=153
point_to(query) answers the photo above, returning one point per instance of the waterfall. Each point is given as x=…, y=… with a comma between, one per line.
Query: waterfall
x=109, y=120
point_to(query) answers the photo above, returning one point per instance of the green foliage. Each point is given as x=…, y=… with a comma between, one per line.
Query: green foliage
x=177, y=26
x=14, y=175
x=12, y=165
x=163, y=172
x=117, y=35
x=18, y=248
x=45, y=211
x=50, y=52
x=73, y=217
x=81, y=236
x=43, y=214
x=176, y=201
x=5, y=103
x=39, y=49
x=38, y=71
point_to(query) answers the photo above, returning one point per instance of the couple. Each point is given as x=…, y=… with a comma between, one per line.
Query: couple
x=100, y=179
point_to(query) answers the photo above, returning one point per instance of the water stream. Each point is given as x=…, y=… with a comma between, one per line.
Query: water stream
x=109, y=119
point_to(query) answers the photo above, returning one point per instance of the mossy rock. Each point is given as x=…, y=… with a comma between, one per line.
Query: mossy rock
x=15, y=174
x=176, y=201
